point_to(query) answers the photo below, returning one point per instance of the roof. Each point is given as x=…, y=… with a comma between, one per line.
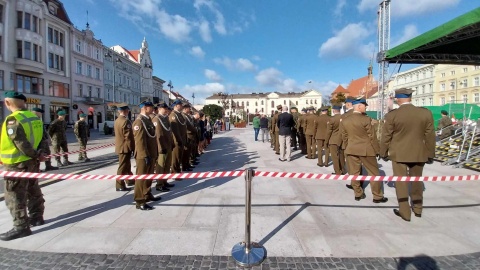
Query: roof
x=455, y=42
x=134, y=54
x=61, y=12
x=339, y=89
x=358, y=87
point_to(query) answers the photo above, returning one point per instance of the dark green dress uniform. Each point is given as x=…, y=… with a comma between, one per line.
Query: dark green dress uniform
x=124, y=147
x=58, y=132
x=146, y=153
x=191, y=137
x=21, y=135
x=165, y=145
x=408, y=140
x=445, y=125
x=82, y=133
x=361, y=148
x=179, y=130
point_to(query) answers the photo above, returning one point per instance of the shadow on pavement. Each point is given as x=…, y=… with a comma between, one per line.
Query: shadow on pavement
x=417, y=262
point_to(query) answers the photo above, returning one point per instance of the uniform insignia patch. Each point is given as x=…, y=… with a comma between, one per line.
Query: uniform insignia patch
x=155, y=123
x=11, y=122
x=10, y=131
x=136, y=128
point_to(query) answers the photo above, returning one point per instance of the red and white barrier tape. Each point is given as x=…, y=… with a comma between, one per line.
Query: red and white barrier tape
x=193, y=175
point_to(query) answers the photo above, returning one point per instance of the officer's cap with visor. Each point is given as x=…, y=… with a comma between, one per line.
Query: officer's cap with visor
x=403, y=93
x=145, y=103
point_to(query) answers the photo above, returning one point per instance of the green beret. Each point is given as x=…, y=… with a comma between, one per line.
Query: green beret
x=36, y=109
x=444, y=112
x=62, y=112
x=83, y=115
x=16, y=95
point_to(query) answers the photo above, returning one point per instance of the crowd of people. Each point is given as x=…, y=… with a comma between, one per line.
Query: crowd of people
x=161, y=139
x=354, y=141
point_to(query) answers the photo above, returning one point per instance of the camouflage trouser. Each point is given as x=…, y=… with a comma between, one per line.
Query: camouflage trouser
x=83, y=146
x=60, y=145
x=22, y=194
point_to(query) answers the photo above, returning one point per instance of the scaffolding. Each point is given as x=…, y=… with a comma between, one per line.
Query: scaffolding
x=383, y=46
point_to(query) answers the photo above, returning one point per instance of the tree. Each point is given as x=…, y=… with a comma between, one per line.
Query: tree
x=338, y=99
x=213, y=110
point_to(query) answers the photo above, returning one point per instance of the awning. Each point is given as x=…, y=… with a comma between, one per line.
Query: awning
x=455, y=42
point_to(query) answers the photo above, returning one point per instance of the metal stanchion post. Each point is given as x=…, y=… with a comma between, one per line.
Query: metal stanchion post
x=248, y=254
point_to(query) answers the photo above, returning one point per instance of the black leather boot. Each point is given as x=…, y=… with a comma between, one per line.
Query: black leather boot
x=15, y=233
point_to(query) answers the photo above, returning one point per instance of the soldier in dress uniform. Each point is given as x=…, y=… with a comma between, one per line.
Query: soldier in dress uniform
x=361, y=148
x=82, y=132
x=146, y=153
x=310, y=133
x=276, y=146
x=124, y=146
x=334, y=139
x=273, y=123
x=321, y=136
x=191, y=137
x=21, y=135
x=58, y=132
x=302, y=141
x=296, y=115
x=179, y=130
x=46, y=141
x=347, y=113
x=408, y=140
x=444, y=125
x=165, y=144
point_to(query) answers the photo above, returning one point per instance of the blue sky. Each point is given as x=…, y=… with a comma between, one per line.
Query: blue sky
x=244, y=46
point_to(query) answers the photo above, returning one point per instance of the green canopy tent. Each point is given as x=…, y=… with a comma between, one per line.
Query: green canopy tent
x=455, y=42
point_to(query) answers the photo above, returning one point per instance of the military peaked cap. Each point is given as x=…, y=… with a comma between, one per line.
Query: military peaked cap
x=403, y=93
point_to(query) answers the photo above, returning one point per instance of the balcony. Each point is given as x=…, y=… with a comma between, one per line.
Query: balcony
x=29, y=65
x=89, y=100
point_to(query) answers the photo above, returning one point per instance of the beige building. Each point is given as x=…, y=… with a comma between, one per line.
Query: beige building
x=264, y=103
x=457, y=84
x=35, y=54
x=421, y=79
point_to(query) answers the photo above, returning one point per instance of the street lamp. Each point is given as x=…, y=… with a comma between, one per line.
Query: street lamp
x=170, y=86
x=117, y=60
x=193, y=97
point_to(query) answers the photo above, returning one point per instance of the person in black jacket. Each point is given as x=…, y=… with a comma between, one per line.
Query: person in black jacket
x=285, y=124
x=264, y=127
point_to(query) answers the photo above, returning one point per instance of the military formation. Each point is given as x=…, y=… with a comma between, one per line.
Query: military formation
x=354, y=143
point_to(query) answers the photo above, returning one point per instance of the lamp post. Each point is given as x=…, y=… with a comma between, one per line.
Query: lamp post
x=170, y=86
x=193, y=97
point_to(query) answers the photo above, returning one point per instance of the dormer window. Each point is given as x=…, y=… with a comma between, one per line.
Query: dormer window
x=52, y=7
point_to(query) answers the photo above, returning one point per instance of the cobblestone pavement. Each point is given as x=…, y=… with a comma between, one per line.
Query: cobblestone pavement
x=17, y=259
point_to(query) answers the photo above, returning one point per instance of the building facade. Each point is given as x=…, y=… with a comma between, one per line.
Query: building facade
x=87, y=77
x=240, y=105
x=158, y=90
x=457, y=84
x=421, y=79
x=35, y=54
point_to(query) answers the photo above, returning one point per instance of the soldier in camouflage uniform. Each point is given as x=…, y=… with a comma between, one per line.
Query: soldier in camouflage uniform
x=296, y=115
x=58, y=132
x=82, y=132
x=22, y=132
x=45, y=143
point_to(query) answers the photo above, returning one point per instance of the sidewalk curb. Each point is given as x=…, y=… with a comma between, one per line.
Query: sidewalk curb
x=53, y=181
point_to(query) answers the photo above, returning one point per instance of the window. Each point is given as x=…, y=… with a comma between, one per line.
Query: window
x=256, y=103
x=430, y=88
x=98, y=91
x=452, y=99
x=55, y=36
x=273, y=104
x=2, y=84
x=19, y=19
x=97, y=73
x=78, y=46
x=97, y=54
x=465, y=98
x=1, y=15
x=26, y=21
x=452, y=72
x=261, y=102
x=35, y=53
x=89, y=91
x=28, y=85
x=79, y=67
x=248, y=103
x=423, y=89
x=476, y=97
x=452, y=86
x=443, y=74
x=465, y=83
x=19, y=49
x=284, y=102
x=442, y=87
x=55, y=61
x=442, y=101
x=28, y=50
x=89, y=71
x=465, y=70
x=80, y=90
x=430, y=101
x=423, y=102
x=35, y=24
x=58, y=89
x=296, y=102
x=476, y=81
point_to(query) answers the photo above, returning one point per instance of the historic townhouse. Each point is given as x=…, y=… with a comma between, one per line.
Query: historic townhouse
x=457, y=84
x=35, y=54
x=421, y=79
x=87, y=77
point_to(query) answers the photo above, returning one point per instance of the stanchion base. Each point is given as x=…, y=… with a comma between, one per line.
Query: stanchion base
x=256, y=255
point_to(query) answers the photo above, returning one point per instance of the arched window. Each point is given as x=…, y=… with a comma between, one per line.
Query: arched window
x=273, y=104
x=248, y=103
x=262, y=102
x=256, y=103
x=306, y=101
x=315, y=101
x=311, y=101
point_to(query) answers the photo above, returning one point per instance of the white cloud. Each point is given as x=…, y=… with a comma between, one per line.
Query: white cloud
x=240, y=64
x=410, y=31
x=272, y=77
x=219, y=24
x=409, y=7
x=348, y=42
x=212, y=75
x=205, y=33
x=256, y=58
x=339, y=7
x=203, y=91
x=197, y=52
